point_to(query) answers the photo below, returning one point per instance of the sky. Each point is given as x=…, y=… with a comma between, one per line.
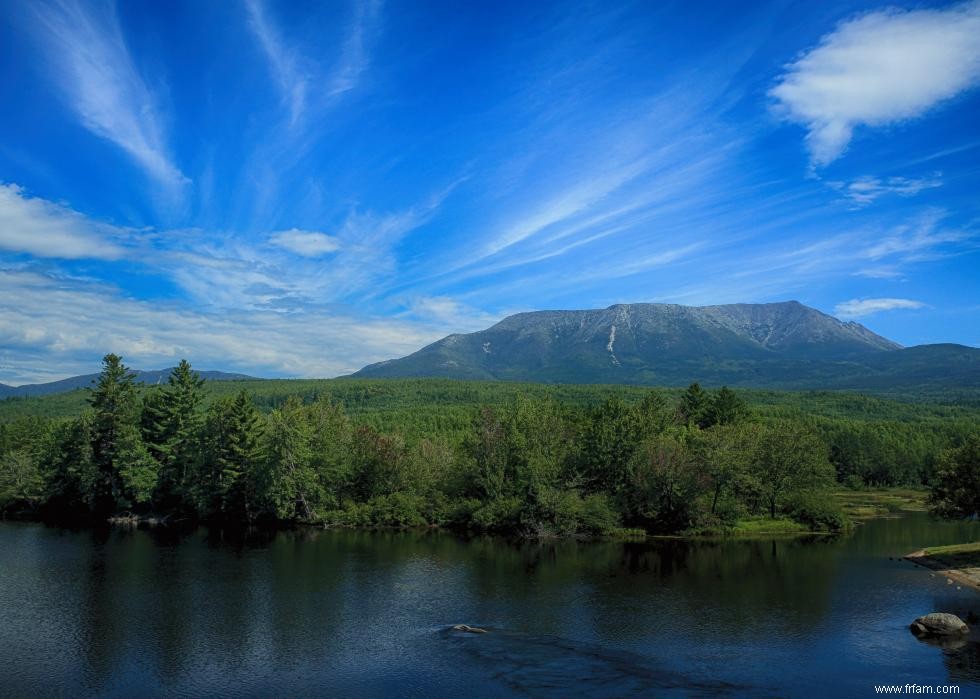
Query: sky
x=300, y=189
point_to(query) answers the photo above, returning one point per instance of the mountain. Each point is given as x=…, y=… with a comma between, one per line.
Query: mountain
x=70, y=384
x=772, y=345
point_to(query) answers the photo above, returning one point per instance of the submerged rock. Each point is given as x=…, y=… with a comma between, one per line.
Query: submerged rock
x=939, y=624
x=468, y=629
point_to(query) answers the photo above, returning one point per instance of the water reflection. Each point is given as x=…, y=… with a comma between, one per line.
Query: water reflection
x=303, y=612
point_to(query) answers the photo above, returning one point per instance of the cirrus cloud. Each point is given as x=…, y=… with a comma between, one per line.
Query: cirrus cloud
x=99, y=80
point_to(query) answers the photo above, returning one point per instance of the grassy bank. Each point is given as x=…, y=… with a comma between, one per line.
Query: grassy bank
x=881, y=502
x=857, y=505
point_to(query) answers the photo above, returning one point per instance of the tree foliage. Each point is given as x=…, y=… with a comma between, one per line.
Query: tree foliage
x=956, y=490
x=519, y=459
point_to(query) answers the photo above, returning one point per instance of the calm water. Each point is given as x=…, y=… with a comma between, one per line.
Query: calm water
x=364, y=614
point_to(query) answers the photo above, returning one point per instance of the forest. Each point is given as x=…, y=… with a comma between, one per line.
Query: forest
x=519, y=459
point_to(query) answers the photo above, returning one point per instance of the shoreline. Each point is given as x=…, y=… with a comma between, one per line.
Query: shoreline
x=968, y=576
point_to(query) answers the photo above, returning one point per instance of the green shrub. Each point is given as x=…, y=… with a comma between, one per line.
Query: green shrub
x=818, y=512
x=397, y=510
x=598, y=515
x=500, y=514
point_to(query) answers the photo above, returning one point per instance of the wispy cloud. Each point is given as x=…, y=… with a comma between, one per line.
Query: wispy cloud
x=858, y=308
x=449, y=313
x=878, y=69
x=578, y=199
x=354, y=57
x=865, y=190
x=295, y=270
x=48, y=322
x=305, y=243
x=44, y=229
x=802, y=262
x=301, y=80
x=92, y=66
x=923, y=238
x=286, y=63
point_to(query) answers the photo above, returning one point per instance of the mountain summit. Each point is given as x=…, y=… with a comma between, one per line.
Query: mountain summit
x=773, y=344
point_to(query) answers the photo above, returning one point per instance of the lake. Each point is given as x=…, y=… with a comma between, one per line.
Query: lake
x=340, y=613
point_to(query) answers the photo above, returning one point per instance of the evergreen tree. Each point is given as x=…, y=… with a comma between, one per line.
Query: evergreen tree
x=23, y=444
x=695, y=406
x=125, y=473
x=654, y=414
x=171, y=426
x=726, y=408
x=331, y=438
x=234, y=459
x=68, y=466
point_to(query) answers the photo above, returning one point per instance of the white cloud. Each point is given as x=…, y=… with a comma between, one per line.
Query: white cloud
x=865, y=190
x=921, y=239
x=305, y=243
x=46, y=322
x=300, y=80
x=45, y=229
x=354, y=58
x=856, y=308
x=878, y=69
x=567, y=204
x=285, y=63
x=449, y=313
x=98, y=79
x=879, y=272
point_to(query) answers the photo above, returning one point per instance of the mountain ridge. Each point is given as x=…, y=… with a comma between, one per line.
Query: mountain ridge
x=83, y=380
x=774, y=345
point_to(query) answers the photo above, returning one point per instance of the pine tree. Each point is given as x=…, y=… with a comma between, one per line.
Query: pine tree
x=68, y=466
x=227, y=474
x=331, y=438
x=171, y=428
x=125, y=474
x=694, y=406
x=726, y=407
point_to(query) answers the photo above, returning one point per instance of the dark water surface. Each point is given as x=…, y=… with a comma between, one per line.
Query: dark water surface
x=310, y=613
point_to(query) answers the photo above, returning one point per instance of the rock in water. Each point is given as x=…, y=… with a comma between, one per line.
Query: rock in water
x=939, y=624
x=468, y=629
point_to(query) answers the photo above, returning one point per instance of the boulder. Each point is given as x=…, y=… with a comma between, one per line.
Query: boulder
x=939, y=624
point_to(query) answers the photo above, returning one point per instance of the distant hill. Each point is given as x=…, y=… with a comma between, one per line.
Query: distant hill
x=773, y=345
x=70, y=384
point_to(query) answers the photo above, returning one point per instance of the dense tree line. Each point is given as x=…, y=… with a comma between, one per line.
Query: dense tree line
x=535, y=464
x=872, y=441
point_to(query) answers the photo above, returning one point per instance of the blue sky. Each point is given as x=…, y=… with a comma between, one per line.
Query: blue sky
x=299, y=189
